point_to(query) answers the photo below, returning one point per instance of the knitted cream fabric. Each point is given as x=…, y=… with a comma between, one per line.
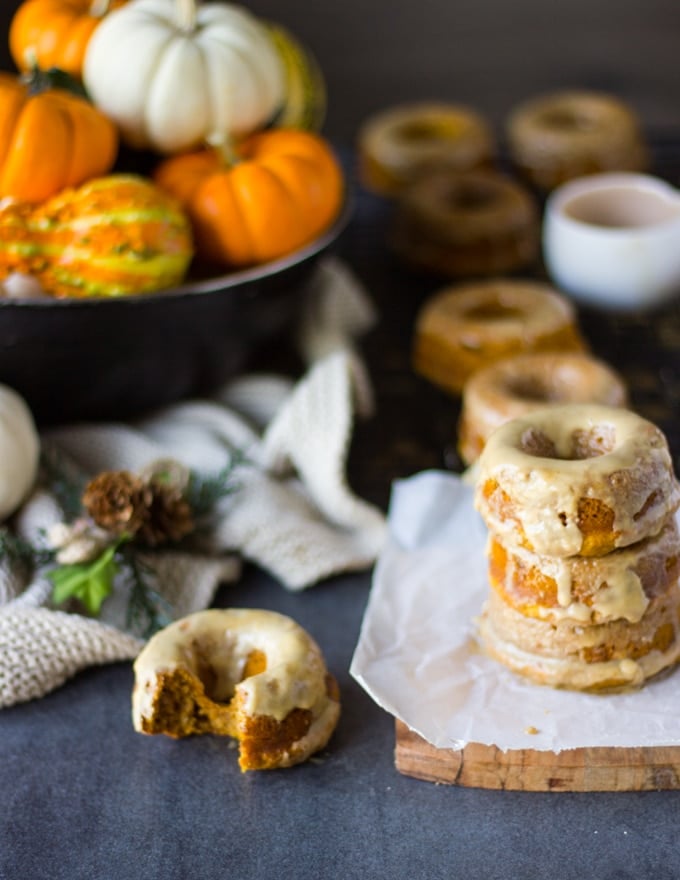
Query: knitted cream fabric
x=292, y=513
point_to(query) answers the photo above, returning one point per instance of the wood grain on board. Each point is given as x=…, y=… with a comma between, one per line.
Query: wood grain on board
x=588, y=769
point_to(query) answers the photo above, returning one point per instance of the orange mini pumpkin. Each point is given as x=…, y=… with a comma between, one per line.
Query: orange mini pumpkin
x=55, y=33
x=49, y=139
x=279, y=193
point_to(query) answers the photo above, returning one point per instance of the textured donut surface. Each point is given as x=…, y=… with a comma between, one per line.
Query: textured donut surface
x=619, y=585
x=614, y=655
x=477, y=223
x=554, y=138
x=402, y=143
x=466, y=327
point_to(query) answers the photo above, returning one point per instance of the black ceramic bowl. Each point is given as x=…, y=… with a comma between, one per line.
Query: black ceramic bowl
x=118, y=358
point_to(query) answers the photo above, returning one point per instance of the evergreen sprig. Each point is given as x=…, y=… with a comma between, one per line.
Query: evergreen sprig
x=147, y=610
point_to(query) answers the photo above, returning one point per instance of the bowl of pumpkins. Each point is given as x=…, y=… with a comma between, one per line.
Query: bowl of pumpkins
x=165, y=193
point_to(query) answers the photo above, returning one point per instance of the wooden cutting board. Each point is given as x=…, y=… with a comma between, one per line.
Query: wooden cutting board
x=593, y=769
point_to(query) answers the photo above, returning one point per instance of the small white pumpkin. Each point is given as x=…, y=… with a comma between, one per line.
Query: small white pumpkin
x=19, y=451
x=174, y=76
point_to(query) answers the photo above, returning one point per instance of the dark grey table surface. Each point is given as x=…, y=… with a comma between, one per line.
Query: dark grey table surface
x=83, y=796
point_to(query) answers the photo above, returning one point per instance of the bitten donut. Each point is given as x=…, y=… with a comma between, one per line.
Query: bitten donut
x=466, y=224
x=249, y=674
x=469, y=326
x=518, y=385
x=614, y=655
x=398, y=144
x=578, y=479
x=554, y=138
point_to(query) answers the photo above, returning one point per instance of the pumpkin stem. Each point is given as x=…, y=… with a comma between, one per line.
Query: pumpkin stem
x=99, y=8
x=186, y=15
x=38, y=81
x=224, y=147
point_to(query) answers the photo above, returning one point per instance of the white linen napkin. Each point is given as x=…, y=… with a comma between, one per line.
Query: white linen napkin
x=292, y=512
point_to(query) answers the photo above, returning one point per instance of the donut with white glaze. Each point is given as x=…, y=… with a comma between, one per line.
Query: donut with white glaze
x=586, y=590
x=250, y=674
x=578, y=479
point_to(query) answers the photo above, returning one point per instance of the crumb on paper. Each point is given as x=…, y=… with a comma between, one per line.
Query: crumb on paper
x=531, y=730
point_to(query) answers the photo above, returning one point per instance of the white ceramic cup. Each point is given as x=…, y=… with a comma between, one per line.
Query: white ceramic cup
x=613, y=240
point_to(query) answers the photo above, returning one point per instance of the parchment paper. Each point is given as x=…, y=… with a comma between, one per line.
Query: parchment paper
x=418, y=657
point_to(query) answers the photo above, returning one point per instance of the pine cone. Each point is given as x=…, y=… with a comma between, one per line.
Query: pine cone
x=117, y=501
x=168, y=516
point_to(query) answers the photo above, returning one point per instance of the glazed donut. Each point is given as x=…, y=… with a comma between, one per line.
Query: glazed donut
x=518, y=385
x=555, y=138
x=398, y=144
x=588, y=590
x=469, y=326
x=577, y=479
x=466, y=224
x=249, y=674
x=618, y=654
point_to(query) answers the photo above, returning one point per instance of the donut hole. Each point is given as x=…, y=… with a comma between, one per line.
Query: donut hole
x=471, y=198
x=493, y=312
x=537, y=444
x=219, y=679
x=417, y=131
x=489, y=312
x=583, y=444
x=570, y=120
x=532, y=389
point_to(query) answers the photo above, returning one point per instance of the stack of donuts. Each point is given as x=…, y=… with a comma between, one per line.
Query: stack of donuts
x=583, y=548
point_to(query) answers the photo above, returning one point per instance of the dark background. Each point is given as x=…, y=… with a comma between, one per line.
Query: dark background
x=490, y=53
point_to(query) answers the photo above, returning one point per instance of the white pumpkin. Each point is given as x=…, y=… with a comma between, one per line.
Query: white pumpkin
x=174, y=76
x=19, y=451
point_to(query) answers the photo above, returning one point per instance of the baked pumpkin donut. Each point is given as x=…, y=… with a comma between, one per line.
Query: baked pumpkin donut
x=614, y=655
x=557, y=137
x=400, y=143
x=249, y=674
x=474, y=223
x=519, y=385
x=578, y=479
x=620, y=585
x=469, y=326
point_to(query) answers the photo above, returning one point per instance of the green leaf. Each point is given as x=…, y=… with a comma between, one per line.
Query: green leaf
x=89, y=582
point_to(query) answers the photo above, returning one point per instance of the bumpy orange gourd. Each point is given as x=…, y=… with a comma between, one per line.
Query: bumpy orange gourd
x=284, y=188
x=114, y=236
x=55, y=33
x=49, y=139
